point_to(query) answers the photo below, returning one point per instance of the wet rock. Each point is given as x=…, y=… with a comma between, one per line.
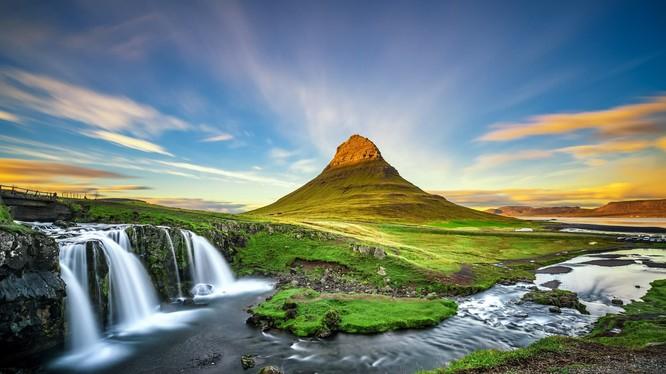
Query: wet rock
x=556, y=298
x=637, y=286
x=270, y=370
x=554, y=309
x=63, y=224
x=31, y=296
x=558, y=269
x=202, y=289
x=247, y=361
x=617, y=302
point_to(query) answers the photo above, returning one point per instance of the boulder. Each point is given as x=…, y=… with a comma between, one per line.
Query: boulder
x=247, y=361
x=270, y=370
x=31, y=297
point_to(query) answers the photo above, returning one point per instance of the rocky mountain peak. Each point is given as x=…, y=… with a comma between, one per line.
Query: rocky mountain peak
x=355, y=150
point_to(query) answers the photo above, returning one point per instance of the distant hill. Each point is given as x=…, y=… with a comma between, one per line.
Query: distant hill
x=518, y=210
x=358, y=184
x=634, y=208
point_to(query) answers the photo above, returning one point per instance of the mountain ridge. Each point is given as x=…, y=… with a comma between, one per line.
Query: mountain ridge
x=648, y=208
x=358, y=184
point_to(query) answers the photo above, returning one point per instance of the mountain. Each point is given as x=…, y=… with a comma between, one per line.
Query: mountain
x=519, y=210
x=634, y=208
x=358, y=184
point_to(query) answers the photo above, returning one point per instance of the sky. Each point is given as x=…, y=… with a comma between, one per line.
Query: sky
x=228, y=106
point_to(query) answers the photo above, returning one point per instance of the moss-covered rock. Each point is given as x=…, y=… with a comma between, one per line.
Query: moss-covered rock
x=557, y=298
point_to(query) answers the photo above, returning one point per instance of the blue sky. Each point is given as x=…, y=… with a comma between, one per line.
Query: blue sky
x=230, y=105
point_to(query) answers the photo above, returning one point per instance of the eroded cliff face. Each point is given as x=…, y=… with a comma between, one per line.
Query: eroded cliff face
x=31, y=295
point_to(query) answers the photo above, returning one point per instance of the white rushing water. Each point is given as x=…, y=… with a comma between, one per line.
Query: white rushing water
x=85, y=331
x=175, y=261
x=209, y=267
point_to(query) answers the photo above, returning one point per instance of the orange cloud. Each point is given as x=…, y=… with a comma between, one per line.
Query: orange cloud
x=630, y=119
x=15, y=170
x=618, y=146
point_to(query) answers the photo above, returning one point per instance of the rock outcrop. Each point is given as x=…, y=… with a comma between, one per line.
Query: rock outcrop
x=31, y=295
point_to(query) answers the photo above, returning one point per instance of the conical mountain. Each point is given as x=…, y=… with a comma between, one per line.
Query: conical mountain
x=358, y=184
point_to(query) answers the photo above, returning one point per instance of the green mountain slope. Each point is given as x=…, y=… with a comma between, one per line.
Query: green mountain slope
x=358, y=184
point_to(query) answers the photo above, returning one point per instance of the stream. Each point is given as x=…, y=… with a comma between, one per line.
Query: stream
x=148, y=337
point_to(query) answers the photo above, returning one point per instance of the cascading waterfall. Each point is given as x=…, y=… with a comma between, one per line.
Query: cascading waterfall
x=207, y=264
x=84, y=330
x=131, y=293
x=132, y=303
x=175, y=261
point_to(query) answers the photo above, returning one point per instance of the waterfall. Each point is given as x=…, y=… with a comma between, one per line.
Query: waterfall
x=175, y=261
x=73, y=267
x=131, y=293
x=207, y=264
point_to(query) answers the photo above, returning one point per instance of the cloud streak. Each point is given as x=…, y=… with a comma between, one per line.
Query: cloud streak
x=236, y=175
x=97, y=110
x=197, y=204
x=632, y=119
x=129, y=142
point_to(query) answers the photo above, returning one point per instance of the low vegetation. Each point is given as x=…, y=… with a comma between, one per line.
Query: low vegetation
x=305, y=312
x=642, y=323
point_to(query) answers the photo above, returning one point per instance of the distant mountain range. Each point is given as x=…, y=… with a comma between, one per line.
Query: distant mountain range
x=634, y=208
x=358, y=184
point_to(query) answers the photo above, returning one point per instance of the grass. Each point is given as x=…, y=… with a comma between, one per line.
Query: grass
x=135, y=211
x=7, y=222
x=305, y=312
x=492, y=358
x=643, y=323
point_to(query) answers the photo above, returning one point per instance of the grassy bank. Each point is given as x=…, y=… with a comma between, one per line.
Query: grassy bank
x=643, y=324
x=135, y=211
x=306, y=312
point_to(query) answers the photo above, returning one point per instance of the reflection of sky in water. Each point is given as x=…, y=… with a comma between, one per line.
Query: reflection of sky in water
x=597, y=285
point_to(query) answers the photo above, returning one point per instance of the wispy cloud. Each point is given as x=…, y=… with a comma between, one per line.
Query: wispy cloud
x=6, y=116
x=488, y=161
x=219, y=138
x=304, y=166
x=33, y=172
x=647, y=117
x=129, y=142
x=235, y=175
x=197, y=204
x=97, y=110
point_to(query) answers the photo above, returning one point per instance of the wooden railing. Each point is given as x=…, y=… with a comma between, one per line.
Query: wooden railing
x=18, y=192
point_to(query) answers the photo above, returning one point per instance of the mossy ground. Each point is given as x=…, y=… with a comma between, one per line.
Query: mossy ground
x=314, y=312
x=641, y=325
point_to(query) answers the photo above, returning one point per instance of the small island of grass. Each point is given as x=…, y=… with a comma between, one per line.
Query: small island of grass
x=306, y=312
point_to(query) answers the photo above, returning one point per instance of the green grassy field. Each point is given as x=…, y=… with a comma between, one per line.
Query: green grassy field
x=314, y=313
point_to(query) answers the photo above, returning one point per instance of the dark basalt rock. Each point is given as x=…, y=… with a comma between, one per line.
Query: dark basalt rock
x=31, y=297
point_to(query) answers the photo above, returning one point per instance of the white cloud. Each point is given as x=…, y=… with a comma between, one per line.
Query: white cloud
x=59, y=99
x=6, y=116
x=305, y=166
x=129, y=142
x=280, y=154
x=237, y=175
x=219, y=138
x=487, y=161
